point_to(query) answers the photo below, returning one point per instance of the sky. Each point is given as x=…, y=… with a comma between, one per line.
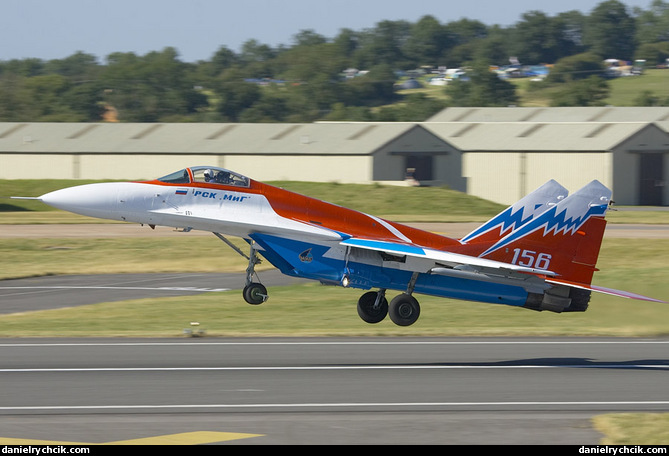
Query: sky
x=55, y=29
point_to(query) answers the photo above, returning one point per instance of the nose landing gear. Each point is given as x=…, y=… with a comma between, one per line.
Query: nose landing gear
x=254, y=293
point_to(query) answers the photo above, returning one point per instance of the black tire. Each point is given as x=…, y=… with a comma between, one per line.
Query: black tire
x=404, y=310
x=366, y=309
x=255, y=293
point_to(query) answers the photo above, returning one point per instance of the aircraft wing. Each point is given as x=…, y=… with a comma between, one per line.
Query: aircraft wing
x=440, y=257
x=460, y=266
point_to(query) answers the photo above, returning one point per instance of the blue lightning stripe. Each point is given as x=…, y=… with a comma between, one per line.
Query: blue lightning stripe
x=520, y=213
x=505, y=220
x=550, y=221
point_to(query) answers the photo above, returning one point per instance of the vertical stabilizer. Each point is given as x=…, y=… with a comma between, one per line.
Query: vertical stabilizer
x=565, y=239
x=520, y=213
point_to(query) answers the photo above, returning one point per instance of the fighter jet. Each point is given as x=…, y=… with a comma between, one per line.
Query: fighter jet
x=538, y=254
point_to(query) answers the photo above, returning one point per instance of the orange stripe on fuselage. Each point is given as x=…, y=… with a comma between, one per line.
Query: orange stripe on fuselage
x=295, y=206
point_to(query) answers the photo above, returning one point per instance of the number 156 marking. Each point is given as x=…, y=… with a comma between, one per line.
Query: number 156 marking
x=529, y=258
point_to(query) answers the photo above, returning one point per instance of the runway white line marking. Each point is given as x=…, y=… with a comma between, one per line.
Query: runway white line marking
x=335, y=405
x=310, y=343
x=62, y=287
x=314, y=368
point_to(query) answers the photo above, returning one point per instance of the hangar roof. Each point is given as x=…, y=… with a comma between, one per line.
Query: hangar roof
x=204, y=138
x=545, y=114
x=345, y=138
x=535, y=136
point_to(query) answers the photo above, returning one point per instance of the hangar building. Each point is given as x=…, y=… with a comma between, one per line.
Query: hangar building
x=521, y=148
x=498, y=154
x=319, y=152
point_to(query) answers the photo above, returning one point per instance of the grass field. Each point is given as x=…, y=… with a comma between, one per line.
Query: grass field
x=635, y=265
x=633, y=428
x=312, y=310
x=625, y=91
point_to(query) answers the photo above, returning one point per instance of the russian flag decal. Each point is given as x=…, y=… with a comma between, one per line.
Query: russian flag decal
x=182, y=191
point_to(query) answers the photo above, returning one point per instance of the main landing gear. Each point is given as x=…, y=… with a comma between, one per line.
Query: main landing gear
x=254, y=292
x=403, y=310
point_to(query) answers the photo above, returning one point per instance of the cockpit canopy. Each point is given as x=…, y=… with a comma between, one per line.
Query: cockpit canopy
x=206, y=174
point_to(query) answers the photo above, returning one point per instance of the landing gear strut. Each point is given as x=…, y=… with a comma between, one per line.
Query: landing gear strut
x=254, y=292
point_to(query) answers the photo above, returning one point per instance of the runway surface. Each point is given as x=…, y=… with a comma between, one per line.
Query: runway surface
x=325, y=391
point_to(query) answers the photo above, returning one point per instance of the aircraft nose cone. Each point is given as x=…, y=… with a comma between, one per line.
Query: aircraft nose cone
x=94, y=200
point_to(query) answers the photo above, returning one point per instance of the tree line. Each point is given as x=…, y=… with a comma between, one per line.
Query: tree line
x=305, y=81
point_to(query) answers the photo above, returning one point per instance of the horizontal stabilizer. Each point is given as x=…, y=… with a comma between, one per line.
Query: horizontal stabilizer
x=604, y=290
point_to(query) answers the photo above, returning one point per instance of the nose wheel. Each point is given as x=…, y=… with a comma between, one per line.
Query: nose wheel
x=255, y=293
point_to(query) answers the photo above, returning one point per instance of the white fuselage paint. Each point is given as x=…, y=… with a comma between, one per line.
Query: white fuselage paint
x=222, y=211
